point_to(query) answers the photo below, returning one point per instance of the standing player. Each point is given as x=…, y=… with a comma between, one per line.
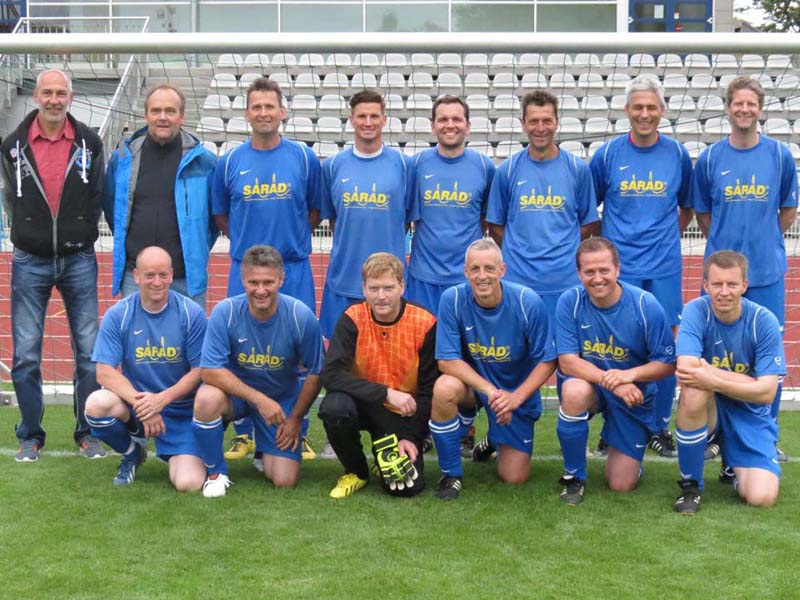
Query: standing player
x=542, y=204
x=745, y=196
x=494, y=346
x=613, y=343
x=266, y=191
x=257, y=347
x=367, y=196
x=730, y=359
x=451, y=192
x=643, y=180
x=156, y=335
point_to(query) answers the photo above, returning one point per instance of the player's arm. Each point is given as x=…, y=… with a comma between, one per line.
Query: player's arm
x=314, y=219
x=496, y=232
x=685, y=215
x=427, y=373
x=697, y=373
x=704, y=222
x=221, y=221
x=288, y=434
x=787, y=216
x=229, y=383
x=113, y=380
x=148, y=404
x=467, y=375
x=504, y=403
x=651, y=371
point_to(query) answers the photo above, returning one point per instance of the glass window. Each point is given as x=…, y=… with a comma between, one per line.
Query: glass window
x=577, y=17
x=321, y=17
x=648, y=11
x=419, y=17
x=491, y=17
x=238, y=17
x=647, y=27
x=690, y=10
x=162, y=18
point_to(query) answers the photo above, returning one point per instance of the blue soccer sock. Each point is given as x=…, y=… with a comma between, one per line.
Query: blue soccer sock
x=665, y=394
x=466, y=416
x=447, y=439
x=691, y=453
x=111, y=431
x=244, y=427
x=573, y=434
x=208, y=436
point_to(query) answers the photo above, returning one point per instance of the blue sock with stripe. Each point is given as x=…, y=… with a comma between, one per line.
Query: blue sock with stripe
x=573, y=434
x=691, y=453
x=466, y=415
x=111, y=431
x=447, y=439
x=209, y=437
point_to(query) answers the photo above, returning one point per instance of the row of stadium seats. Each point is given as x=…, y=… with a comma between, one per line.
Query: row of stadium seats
x=329, y=105
x=231, y=85
x=775, y=64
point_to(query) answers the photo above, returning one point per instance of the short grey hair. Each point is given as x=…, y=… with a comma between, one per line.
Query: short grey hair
x=66, y=77
x=645, y=83
x=484, y=244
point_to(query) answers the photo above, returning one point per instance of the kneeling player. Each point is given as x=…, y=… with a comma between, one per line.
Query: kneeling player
x=495, y=346
x=378, y=375
x=613, y=344
x=157, y=337
x=730, y=357
x=256, y=345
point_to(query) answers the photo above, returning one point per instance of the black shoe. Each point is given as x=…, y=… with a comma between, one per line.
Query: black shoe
x=663, y=445
x=427, y=444
x=572, y=493
x=483, y=451
x=726, y=475
x=712, y=451
x=468, y=443
x=448, y=488
x=782, y=458
x=688, y=503
x=602, y=449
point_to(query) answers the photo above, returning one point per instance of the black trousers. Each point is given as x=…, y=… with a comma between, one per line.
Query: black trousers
x=344, y=418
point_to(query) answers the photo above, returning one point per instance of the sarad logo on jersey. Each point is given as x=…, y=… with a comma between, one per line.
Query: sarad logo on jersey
x=258, y=361
x=642, y=187
x=371, y=199
x=742, y=192
x=605, y=350
x=727, y=362
x=274, y=190
x=490, y=353
x=446, y=197
x=157, y=353
x=547, y=201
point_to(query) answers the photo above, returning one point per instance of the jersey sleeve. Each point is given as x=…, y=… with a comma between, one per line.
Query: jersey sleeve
x=690, y=334
x=497, y=209
x=685, y=190
x=660, y=342
x=217, y=345
x=108, y=349
x=584, y=190
x=597, y=166
x=196, y=334
x=314, y=182
x=220, y=199
x=412, y=208
x=326, y=202
x=490, y=171
x=788, y=197
x=566, y=326
x=770, y=359
x=448, y=336
x=311, y=348
x=541, y=345
x=701, y=186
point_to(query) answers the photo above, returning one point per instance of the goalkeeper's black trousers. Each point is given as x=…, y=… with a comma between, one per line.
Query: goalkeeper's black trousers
x=344, y=418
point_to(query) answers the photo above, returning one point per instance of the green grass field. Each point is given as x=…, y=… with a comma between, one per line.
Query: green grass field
x=66, y=532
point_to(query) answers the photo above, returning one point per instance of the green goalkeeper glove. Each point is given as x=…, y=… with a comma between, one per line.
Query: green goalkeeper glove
x=397, y=470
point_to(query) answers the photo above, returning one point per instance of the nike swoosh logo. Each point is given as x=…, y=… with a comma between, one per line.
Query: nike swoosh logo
x=684, y=475
x=725, y=172
x=585, y=326
x=345, y=180
x=717, y=342
x=624, y=167
x=775, y=460
x=524, y=181
x=639, y=445
x=570, y=471
x=242, y=340
x=527, y=441
x=429, y=176
x=245, y=172
x=138, y=331
x=469, y=327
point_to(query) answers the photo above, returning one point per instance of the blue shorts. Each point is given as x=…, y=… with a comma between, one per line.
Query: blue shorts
x=425, y=294
x=333, y=305
x=298, y=281
x=519, y=433
x=178, y=438
x=667, y=290
x=772, y=297
x=265, y=434
x=749, y=435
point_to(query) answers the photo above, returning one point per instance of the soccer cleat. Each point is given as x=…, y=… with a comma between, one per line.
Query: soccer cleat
x=348, y=484
x=483, y=451
x=241, y=446
x=781, y=455
x=127, y=467
x=712, y=451
x=308, y=451
x=216, y=485
x=448, y=488
x=258, y=462
x=28, y=451
x=427, y=444
x=468, y=442
x=91, y=448
x=663, y=445
x=688, y=503
x=726, y=474
x=572, y=492
x=602, y=449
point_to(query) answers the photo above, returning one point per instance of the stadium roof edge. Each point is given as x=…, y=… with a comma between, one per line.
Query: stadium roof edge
x=179, y=43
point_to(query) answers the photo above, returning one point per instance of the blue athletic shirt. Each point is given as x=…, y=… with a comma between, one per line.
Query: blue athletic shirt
x=371, y=199
x=503, y=344
x=267, y=356
x=451, y=196
x=744, y=190
x=542, y=205
x=631, y=333
x=641, y=189
x=752, y=345
x=155, y=349
x=268, y=195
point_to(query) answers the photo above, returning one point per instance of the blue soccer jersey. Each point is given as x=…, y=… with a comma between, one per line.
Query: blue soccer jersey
x=629, y=334
x=641, y=190
x=451, y=196
x=542, y=205
x=268, y=195
x=503, y=344
x=267, y=356
x=155, y=350
x=371, y=200
x=744, y=190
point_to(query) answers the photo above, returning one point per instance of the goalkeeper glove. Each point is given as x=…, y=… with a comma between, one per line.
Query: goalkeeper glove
x=397, y=470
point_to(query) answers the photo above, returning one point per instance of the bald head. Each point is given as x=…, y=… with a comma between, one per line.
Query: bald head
x=153, y=276
x=152, y=254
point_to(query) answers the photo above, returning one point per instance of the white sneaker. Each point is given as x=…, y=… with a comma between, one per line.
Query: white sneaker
x=216, y=485
x=328, y=452
x=258, y=464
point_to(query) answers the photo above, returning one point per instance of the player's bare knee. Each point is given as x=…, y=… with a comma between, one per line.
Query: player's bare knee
x=622, y=483
x=188, y=481
x=760, y=496
x=448, y=390
x=693, y=403
x=100, y=403
x=284, y=480
x=576, y=397
x=209, y=403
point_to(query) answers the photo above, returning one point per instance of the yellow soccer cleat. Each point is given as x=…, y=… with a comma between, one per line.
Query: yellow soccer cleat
x=241, y=446
x=347, y=485
x=308, y=452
